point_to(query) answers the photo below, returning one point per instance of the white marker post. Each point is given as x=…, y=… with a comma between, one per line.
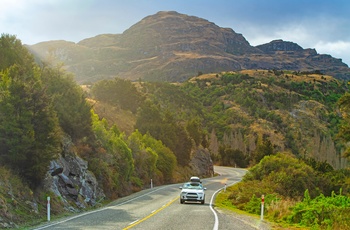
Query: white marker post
x=48, y=208
x=225, y=188
x=262, y=207
x=151, y=183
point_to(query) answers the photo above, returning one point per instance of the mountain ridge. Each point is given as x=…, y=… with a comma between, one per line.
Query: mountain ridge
x=170, y=46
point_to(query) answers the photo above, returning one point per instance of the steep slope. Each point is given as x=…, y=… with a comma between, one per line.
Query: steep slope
x=169, y=46
x=283, y=111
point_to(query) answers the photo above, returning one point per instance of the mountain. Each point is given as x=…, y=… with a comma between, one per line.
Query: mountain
x=169, y=46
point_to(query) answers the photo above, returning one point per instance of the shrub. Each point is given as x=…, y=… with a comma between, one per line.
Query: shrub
x=288, y=175
x=322, y=211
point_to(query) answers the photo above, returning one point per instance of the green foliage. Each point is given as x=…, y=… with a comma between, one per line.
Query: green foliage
x=29, y=132
x=242, y=193
x=232, y=157
x=12, y=52
x=107, y=175
x=194, y=130
x=112, y=161
x=290, y=175
x=145, y=158
x=322, y=167
x=69, y=102
x=284, y=180
x=151, y=156
x=163, y=126
x=264, y=148
x=324, y=212
x=118, y=92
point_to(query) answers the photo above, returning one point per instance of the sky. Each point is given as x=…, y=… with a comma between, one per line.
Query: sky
x=320, y=24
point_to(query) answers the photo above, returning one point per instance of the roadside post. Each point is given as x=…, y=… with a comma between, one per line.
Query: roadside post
x=48, y=208
x=225, y=188
x=151, y=183
x=262, y=207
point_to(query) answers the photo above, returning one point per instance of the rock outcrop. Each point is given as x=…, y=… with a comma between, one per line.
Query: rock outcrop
x=201, y=163
x=70, y=179
x=280, y=45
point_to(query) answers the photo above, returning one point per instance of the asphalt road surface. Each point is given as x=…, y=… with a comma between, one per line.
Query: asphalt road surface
x=160, y=208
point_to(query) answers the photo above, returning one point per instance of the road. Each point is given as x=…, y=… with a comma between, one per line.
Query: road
x=159, y=208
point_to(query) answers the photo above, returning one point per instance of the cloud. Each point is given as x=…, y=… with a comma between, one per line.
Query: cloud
x=326, y=36
x=338, y=49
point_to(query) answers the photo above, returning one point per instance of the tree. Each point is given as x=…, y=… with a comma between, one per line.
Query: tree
x=12, y=52
x=29, y=131
x=69, y=102
x=264, y=148
x=117, y=159
x=164, y=127
x=145, y=148
x=193, y=127
x=119, y=92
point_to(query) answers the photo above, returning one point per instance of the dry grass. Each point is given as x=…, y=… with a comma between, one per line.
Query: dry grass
x=278, y=209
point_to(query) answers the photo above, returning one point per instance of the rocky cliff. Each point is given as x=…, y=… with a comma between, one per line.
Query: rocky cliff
x=201, y=163
x=70, y=179
x=169, y=46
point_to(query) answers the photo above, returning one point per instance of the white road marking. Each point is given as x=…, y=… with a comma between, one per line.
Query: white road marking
x=99, y=210
x=216, y=223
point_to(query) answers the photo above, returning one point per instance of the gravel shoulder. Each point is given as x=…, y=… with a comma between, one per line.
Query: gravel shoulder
x=229, y=219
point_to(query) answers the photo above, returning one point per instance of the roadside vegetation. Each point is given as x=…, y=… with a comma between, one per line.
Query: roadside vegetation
x=296, y=193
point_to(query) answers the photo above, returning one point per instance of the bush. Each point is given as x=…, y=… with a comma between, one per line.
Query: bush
x=288, y=175
x=242, y=193
x=322, y=211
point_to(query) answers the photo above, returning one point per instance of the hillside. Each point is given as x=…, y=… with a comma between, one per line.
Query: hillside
x=169, y=46
x=241, y=110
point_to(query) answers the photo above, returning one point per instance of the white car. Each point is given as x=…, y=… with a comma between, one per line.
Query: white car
x=192, y=191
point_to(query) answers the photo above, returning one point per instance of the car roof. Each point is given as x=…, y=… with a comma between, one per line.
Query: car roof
x=194, y=177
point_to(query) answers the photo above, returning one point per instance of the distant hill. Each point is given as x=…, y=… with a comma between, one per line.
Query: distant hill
x=169, y=46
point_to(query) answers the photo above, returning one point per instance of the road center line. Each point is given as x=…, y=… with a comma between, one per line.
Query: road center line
x=133, y=224
x=99, y=210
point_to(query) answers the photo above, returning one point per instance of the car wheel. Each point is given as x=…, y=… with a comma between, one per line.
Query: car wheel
x=181, y=201
x=202, y=202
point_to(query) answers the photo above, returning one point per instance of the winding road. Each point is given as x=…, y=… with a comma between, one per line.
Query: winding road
x=159, y=208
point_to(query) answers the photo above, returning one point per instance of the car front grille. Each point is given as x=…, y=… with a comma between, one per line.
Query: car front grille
x=192, y=195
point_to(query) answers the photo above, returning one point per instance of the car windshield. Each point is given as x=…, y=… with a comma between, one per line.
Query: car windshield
x=192, y=186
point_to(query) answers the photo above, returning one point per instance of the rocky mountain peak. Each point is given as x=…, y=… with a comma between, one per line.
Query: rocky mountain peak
x=279, y=45
x=171, y=31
